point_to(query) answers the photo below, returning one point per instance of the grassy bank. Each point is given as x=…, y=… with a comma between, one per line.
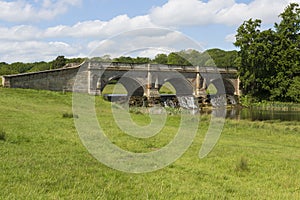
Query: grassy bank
x=42, y=157
x=251, y=102
x=279, y=106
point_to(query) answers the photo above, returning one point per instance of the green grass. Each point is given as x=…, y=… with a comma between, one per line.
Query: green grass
x=167, y=88
x=42, y=156
x=114, y=89
x=280, y=106
x=211, y=89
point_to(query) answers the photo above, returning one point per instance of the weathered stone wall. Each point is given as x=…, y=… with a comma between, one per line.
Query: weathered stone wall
x=55, y=80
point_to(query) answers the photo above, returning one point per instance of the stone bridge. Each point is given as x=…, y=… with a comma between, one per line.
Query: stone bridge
x=138, y=79
x=147, y=79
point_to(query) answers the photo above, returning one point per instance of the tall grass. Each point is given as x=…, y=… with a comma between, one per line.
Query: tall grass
x=278, y=106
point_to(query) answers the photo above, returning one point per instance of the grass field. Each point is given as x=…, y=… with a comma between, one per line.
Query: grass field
x=42, y=157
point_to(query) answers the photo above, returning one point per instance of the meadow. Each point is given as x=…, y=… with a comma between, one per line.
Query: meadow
x=42, y=156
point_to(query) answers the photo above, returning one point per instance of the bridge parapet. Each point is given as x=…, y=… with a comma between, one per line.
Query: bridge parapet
x=158, y=67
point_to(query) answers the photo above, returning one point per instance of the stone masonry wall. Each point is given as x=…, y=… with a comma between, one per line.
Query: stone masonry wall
x=55, y=80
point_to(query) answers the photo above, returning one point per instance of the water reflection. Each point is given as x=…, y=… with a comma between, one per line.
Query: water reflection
x=261, y=115
x=235, y=112
x=255, y=114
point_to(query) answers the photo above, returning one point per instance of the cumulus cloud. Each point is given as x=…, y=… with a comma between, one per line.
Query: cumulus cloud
x=144, y=42
x=31, y=43
x=18, y=41
x=87, y=29
x=20, y=33
x=195, y=12
x=30, y=51
x=22, y=11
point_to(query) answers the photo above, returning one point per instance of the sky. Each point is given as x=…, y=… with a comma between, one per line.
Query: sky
x=41, y=30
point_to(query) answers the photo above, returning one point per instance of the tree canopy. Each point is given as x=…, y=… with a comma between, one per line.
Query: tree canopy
x=269, y=65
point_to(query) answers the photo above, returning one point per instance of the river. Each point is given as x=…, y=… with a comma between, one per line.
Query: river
x=236, y=112
x=255, y=114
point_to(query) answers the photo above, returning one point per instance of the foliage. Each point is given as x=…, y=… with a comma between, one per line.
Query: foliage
x=213, y=57
x=177, y=59
x=279, y=106
x=69, y=115
x=161, y=59
x=59, y=62
x=105, y=58
x=270, y=59
x=2, y=134
x=221, y=58
x=242, y=165
x=130, y=60
x=209, y=58
x=294, y=90
x=75, y=60
x=19, y=67
x=14, y=68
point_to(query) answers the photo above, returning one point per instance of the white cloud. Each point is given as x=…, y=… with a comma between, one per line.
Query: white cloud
x=87, y=29
x=30, y=43
x=144, y=42
x=27, y=43
x=230, y=38
x=19, y=33
x=195, y=12
x=22, y=11
x=31, y=51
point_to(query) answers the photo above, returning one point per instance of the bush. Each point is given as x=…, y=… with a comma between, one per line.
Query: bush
x=242, y=165
x=69, y=115
x=2, y=135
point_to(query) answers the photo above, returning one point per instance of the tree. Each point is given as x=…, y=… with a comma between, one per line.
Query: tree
x=176, y=59
x=286, y=53
x=221, y=58
x=59, y=62
x=161, y=59
x=270, y=59
x=293, y=91
x=141, y=60
x=123, y=59
x=246, y=39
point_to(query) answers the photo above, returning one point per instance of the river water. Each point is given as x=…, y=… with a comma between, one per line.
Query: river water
x=255, y=114
x=236, y=112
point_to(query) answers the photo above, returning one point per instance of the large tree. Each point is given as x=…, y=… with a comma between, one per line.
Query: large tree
x=59, y=62
x=270, y=58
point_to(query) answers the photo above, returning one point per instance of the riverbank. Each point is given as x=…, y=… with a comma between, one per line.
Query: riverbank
x=279, y=106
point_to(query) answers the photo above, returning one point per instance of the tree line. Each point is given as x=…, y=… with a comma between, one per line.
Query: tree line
x=20, y=67
x=211, y=57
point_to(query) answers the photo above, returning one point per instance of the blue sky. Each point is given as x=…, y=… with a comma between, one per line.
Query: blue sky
x=36, y=30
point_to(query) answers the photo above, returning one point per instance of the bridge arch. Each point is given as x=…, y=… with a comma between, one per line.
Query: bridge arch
x=223, y=86
x=181, y=85
x=133, y=86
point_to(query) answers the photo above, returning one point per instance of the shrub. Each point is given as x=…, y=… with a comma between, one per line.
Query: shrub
x=2, y=135
x=242, y=164
x=69, y=115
